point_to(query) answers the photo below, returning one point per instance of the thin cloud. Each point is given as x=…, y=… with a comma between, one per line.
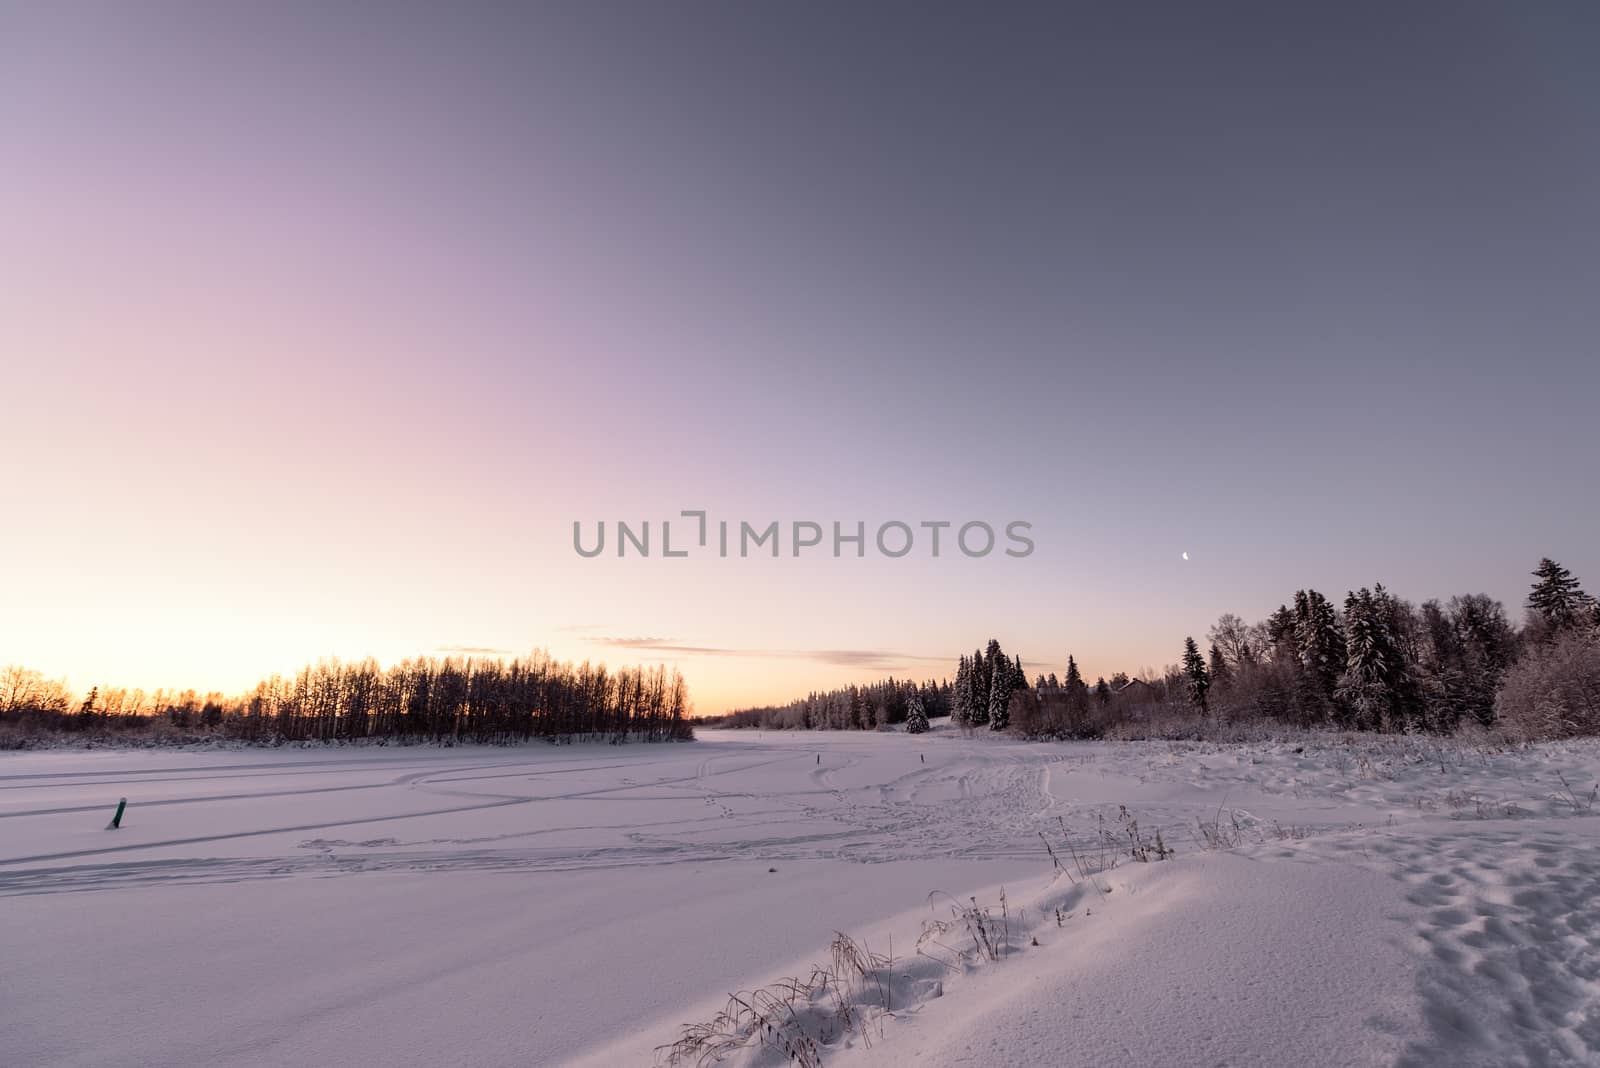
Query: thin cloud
x=473, y=650
x=857, y=658
x=870, y=657
x=670, y=645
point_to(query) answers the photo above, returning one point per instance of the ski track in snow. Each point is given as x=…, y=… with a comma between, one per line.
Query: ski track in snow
x=1493, y=867
x=872, y=822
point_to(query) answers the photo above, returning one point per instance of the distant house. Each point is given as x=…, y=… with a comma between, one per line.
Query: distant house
x=1136, y=697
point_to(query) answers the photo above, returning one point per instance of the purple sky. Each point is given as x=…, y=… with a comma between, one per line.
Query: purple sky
x=320, y=325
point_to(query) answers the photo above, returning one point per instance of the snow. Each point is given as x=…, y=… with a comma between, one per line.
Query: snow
x=1211, y=962
x=1384, y=902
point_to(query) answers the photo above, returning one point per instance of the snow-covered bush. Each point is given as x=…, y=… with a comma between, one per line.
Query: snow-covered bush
x=1554, y=690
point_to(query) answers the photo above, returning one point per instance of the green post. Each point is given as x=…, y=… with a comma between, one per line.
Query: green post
x=116, y=821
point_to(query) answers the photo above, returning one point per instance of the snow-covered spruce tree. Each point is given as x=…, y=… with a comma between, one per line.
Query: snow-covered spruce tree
x=1074, y=677
x=1319, y=640
x=916, y=717
x=1482, y=624
x=1488, y=647
x=1221, y=673
x=978, y=685
x=995, y=659
x=1002, y=683
x=1400, y=627
x=1280, y=629
x=1376, y=684
x=1557, y=602
x=1443, y=673
x=961, y=696
x=1362, y=687
x=1463, y=650
x=1196, y=679
x=1077, y=694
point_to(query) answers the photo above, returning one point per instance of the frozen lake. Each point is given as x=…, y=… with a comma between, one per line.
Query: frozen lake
x=543, y=905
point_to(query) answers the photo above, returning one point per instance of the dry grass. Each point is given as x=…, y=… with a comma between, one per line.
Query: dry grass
x=1218, y=833
x=1582, y=804
x=990, y=937
x=1471, y=804
x=849, y=994
x=767, y=1016
x=1120, y=838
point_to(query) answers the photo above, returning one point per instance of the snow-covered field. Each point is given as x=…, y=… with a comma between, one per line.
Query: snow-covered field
x=1397, y=903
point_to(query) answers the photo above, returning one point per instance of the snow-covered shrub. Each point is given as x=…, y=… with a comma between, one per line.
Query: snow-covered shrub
x=1554, y=690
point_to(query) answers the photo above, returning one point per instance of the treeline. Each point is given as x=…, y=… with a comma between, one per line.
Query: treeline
x=865, y=708
x=1373, y=662
x=1377, y=662
x=449, y=700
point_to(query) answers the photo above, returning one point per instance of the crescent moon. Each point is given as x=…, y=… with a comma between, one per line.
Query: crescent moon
x=1186, y=555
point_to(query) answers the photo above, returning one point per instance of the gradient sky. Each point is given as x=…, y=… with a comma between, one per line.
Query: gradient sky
x=321, y=324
